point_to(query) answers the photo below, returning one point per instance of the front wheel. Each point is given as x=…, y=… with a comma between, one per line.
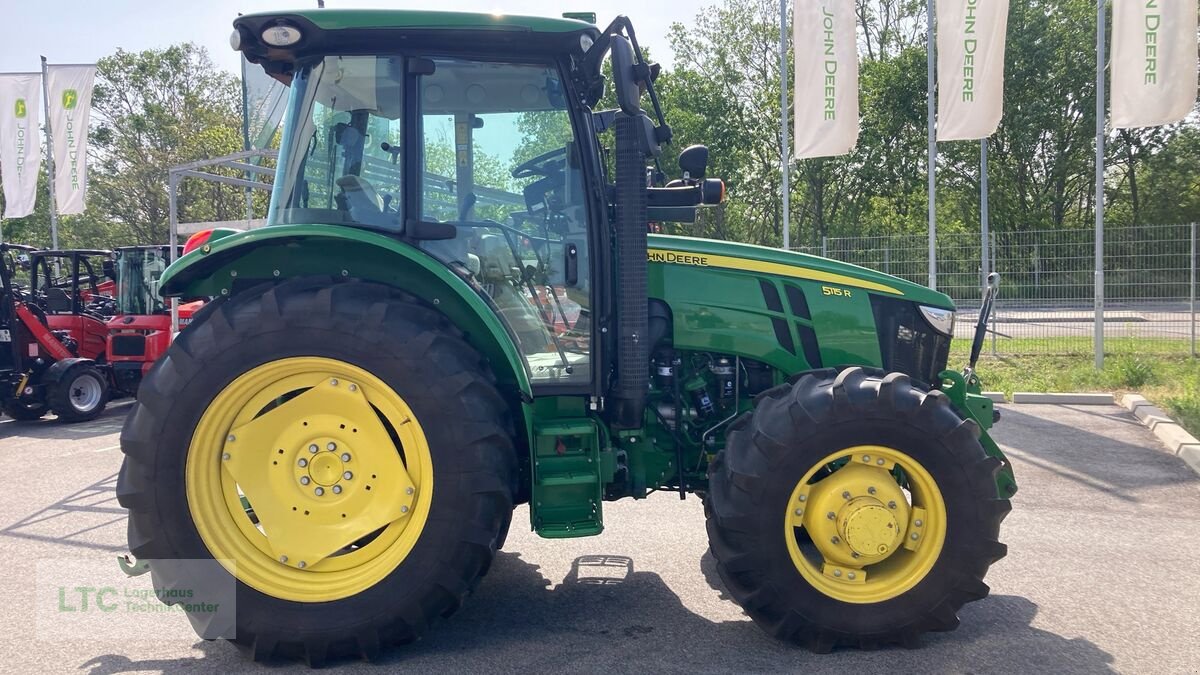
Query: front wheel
x=80, y=395
x=853, y=509
x=338, y=448
x=25, y=410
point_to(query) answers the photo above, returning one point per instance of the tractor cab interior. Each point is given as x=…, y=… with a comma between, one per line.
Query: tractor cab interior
x=475, y=162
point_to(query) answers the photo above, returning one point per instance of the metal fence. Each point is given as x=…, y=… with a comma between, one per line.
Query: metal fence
x=1047, y=291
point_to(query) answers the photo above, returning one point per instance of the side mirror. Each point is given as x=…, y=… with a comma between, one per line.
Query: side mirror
x=694, y=161
x=629, y=93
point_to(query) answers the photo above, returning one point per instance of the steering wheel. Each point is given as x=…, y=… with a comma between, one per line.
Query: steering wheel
x=537, y=165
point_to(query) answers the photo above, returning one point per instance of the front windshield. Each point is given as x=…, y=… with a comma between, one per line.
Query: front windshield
x=341, y=163
x=138, y=274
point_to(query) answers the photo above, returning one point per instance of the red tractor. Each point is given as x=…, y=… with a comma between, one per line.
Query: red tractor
x=140, y=331
x=41, y=367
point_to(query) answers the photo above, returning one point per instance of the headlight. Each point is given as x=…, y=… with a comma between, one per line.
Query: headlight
x=281, y=35
x=942, y=320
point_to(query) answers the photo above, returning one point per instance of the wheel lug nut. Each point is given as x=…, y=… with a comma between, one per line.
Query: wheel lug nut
x=319, y=491
x=225, y=456
x=313, y=448
x=837, y=573
x=846, y=494
x=283, y=558
x=866, y=458
x=830, y=515
x=304, y=480
x=835, y=541
x=870, y=490
x=231, y=438
x=345, y=456
x=302, y=564
x=891, y=505
x=403, y=509
x=850, y=575
x=337, y=489
x=799, y=512
x=879, y=461
x=915, y=536
x=409, y=490
x=803, y=498
x=333, y=382
x=331, y=446
x=348, y=475
x=354, y=387
x=303, y=462
x=918, y=523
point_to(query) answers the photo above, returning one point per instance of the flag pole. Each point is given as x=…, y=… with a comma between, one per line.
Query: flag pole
x=931, y=162
x=49, y=157
x=983, y=210
x=783, y=120
x=1098, y=321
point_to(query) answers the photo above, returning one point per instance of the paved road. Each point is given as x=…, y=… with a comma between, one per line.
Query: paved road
x=1101, y=574
x=1168, y=322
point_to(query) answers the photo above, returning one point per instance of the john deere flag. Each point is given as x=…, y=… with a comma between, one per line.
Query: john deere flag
x=69, y=89
x=20, y=147
x=970, y=70
x=1153, y=62
x=826, y=91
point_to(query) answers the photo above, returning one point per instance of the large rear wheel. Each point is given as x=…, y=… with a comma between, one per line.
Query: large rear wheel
x=854, y=509
x=339, y=448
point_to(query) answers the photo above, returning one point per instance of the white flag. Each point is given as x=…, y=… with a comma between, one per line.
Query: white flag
x=69, y=89
x=1153, y=62
x=20, y=146
x=826, y=91
x=970, y=55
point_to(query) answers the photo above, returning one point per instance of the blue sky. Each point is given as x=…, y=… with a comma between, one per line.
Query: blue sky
x=74, y=31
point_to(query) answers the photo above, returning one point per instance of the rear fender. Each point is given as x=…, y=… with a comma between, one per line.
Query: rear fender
x=237, y=261
x=54, y=374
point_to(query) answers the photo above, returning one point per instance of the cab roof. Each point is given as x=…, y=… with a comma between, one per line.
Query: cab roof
x=381, y=31
x=342, y=19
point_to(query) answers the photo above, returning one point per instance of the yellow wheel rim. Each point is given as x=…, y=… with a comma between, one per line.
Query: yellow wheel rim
x=876, y=520
x=309, y=478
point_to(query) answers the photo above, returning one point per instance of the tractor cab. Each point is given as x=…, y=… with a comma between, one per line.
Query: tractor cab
x=74, y=288
x=137, y=270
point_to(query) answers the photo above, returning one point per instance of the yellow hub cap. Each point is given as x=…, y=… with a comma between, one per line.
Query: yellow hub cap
x=296, y=481
x=876, y=520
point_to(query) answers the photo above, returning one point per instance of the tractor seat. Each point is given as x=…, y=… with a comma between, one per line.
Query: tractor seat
x=58, y=301
x=364, y=203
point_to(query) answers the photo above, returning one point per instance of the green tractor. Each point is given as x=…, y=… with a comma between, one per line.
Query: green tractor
x=456, y=308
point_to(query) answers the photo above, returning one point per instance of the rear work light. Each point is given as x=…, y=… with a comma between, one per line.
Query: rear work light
x=196, y=241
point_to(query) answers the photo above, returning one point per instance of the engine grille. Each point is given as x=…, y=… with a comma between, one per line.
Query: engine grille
x=907, y=342
x=129, y=345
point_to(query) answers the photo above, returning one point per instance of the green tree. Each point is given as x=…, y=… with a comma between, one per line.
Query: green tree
x=153, y=110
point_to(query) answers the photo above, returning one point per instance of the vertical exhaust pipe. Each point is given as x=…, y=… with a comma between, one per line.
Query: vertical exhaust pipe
x=633, y=344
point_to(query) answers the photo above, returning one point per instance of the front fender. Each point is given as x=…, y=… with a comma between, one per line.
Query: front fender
x=240, y=260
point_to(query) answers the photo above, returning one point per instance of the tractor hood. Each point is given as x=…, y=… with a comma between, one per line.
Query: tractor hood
x=764, y=260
